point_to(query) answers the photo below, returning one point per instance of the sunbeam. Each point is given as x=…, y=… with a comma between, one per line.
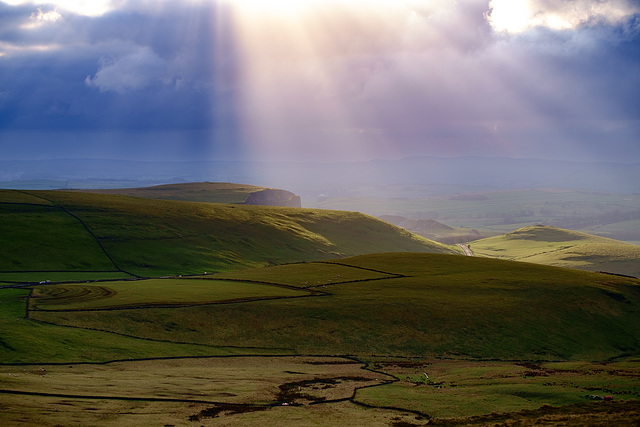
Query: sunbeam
x=305, y=70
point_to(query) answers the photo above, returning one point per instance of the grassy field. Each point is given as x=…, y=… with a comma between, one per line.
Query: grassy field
x=211, y=192
x=47, y=238
x=23, y=340
x=423, y=305
x=271, y=391
x=563, y=248
x=462, y=389
x=153, y=292
x=305, y=391
x=324, y=340
x=51, y=231
x=400, y=315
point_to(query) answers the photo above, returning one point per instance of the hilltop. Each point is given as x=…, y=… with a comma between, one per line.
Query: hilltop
x=565, y=248
x=212, y=192
x=72, y=232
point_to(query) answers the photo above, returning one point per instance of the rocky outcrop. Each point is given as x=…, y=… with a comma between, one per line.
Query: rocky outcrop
x=272, y=197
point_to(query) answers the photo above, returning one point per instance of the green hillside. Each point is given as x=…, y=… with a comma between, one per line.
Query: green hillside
x=393, y=304
x=563, y=248
x=53, y=235
x=212, y=192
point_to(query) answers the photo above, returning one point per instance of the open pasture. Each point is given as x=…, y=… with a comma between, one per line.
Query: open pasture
x=269, y=391
x=404, y=314
x=266, y=381
x=312, y=274
x=307, y=391
x=461, y=389
x=23, y=340
x=562, y=248
x=427, y=305
x=45, y=238
x=153, y=293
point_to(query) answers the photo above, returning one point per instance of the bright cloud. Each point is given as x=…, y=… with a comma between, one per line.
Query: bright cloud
x=40, y=17
x=515, y=16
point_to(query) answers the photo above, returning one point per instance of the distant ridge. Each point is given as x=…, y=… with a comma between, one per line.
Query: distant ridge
x=212, y=192
x=548, y=245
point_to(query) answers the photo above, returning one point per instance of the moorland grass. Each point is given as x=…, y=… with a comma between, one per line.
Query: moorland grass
x=305, y=275
x=235, y=380
x=403, y=306
x=150, y=238
x=21, y=197
x=465, y=389
x=23, y=340
x=210, y=192
x=433, y=305
x=446, y=306
x=38, y=238
x=562, y=248
x=152, y=292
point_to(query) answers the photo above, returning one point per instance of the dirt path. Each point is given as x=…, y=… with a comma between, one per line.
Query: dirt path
x=465, y=248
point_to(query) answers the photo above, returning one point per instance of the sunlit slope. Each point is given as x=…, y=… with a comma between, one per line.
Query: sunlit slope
x=406, y=304
x=212, y=192
x=145, y=237
x=564, y=248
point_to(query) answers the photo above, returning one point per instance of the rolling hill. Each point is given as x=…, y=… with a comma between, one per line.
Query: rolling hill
x=391, y=304
x=55, y=235
x=565, y=248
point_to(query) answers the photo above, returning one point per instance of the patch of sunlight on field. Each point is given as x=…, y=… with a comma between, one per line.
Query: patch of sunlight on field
x=233, y=390
x=152, y=292
x=471, y=388
x=53, y=411
x=242, y=379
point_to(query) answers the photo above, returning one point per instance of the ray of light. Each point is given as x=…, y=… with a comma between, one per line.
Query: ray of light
x=303, y=69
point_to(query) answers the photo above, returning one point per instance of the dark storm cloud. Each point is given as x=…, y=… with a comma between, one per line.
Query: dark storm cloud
x=122, y=69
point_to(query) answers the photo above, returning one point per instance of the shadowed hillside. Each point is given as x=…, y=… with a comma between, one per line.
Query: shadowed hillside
x=555, y=246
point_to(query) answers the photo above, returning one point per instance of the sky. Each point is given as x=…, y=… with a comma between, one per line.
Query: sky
x=320, y=80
